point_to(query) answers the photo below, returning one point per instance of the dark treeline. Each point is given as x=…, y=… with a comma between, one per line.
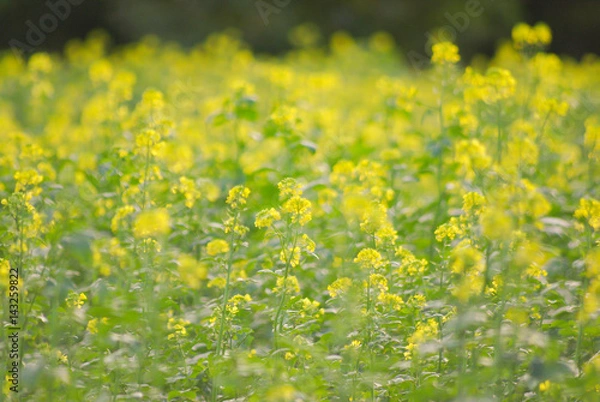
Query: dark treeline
x=476, y=25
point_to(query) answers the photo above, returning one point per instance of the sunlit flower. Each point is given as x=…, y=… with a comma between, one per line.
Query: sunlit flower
x=152, y=223
x=216, y=247
x=238, y=196
x=369, y=258
x=445, y=53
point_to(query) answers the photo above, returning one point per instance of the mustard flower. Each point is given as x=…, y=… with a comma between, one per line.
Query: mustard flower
x=178, y=326
x=76, y=300
x=524, y=35
x=288, y=188
x=191, y=271
x=466, y=258
x=187, y=187
x=374, y=218
x=152, y=223
x=266, y=217
x=25, y=178
x=449, y=230
x=473, y=203
x=369, y=258
x=290, y=284
x=378, y=281
x=290, y=256
x=299, y=209
x=391, y=300
x=589, y=211
x=339, y=287
x=237, y=196
x=445, y=53
x=216, y=247
x=233, y=304
x=307, y=243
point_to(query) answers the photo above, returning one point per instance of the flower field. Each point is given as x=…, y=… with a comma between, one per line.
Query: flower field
x=326, y=225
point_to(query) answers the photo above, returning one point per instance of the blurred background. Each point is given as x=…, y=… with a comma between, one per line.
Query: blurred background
x=477, y=25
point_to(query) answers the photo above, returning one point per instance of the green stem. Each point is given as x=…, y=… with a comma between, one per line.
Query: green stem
x=499, y=140
x=226, y=291
x=224, y=304
x=278, y=315
x=146, y=170
x=440, y=164
x=581, y=326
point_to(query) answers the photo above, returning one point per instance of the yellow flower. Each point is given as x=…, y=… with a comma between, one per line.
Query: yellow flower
x=178, y=326
x=299, y=209
x=592, y=137
x=391, y=300
x=232, y=225
x=61, y=357
x=524, y=35
x=423, y=332
x=339, y=287
x=445, y=53
x=307, y=243
x=191, y=272
x=386, y=236
x=100, y=71
x=369, y=258
x=496, y=224
x=290, y=285
x=496, y=85
x=76, y=300
x=237, y=196
x=152, y=223
x=153, y=99
x=543, y=33
x=148, y=141
x=545, y=386
x=592, y=263
x=473, y=203
x=266, y=217
x=409, y=263
x=25, y=178
x=591, y=301
x=187, y=187
x=466, y=259
x=92, y=325
x=218, y=282
x=234, y=302
x=589, y=211
x=288, y=188
x=378, y=281
x=290, y=256
x=217, y=246
x=281, y=393
x=449, y=230
x=354, y=345
x=40, y=63
x=374, y=218
x=472, y=157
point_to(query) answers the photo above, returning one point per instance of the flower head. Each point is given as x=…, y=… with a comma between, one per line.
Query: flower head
x=445, y=53
x=266, y=217
x=369, y=258
x=216, y=247
x=524, y=35
x=152, y=223
x=237, y=196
